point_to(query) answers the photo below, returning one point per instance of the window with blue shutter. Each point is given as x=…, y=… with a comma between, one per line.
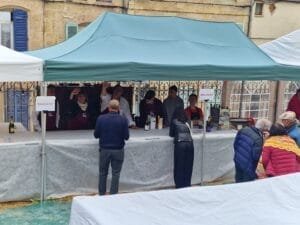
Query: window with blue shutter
x=20, y=30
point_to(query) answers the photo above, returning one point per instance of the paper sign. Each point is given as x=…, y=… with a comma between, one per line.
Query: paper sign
x=206, y=94
x=45, y=103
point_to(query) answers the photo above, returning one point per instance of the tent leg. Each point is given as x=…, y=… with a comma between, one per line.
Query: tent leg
x=241, y=99
x=276, y=101
x=43, y=150
x=203, y=143
x=138, y=98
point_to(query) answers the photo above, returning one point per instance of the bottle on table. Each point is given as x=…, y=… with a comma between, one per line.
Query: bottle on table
x=192, y=124
x=11, y=126
x=148, y=122
x=159, y=122
x=152, y=121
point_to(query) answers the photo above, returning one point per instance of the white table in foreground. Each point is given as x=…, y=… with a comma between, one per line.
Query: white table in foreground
x=273, y=201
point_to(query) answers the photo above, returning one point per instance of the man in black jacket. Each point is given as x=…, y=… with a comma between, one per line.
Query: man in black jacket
x=112, y=131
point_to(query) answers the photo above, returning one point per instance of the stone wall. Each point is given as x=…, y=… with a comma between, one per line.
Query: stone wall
x=58, y=14
x=284, y=18
x=222, y=10
x=48, y=18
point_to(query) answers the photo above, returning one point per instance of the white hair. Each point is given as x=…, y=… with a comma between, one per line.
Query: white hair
x=289, y=115
x=263, y=124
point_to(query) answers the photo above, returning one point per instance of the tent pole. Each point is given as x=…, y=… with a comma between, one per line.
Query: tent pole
x=241, y=99
x=43, y=150
x=138, y=98
x=203, y=142
x=275, y=114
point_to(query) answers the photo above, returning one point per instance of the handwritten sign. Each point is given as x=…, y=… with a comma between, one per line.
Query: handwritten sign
x=206, y=94
x=45, y=103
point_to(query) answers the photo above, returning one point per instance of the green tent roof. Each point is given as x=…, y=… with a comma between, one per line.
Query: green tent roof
x=127, y=47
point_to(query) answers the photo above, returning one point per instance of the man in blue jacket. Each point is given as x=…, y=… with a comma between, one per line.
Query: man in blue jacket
x=248, y=145
x=112, y=131
x=289, y=121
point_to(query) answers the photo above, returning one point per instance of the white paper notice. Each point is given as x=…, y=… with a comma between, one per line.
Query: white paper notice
x=45, y=103
x=206, y=94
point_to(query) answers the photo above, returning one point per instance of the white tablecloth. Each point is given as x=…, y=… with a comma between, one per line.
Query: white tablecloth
x=73, y=159
x=273, y=201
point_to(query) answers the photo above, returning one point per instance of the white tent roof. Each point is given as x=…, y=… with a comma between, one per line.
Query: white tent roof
x=16, y=66
x=284, y=50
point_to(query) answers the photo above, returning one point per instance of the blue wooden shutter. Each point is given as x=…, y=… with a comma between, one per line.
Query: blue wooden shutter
x=20, y=30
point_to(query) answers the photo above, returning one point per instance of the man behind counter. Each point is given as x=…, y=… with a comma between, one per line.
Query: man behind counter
x=117, y=95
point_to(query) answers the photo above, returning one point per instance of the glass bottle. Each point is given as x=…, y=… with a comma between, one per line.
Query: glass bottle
x=11, y=126
x=147, y=124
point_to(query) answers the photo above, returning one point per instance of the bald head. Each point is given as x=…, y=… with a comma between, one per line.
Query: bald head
x=113, y=105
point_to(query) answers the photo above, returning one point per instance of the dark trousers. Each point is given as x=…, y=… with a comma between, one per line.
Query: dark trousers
x=241, y=176
x=115, y=158
x=183, y=163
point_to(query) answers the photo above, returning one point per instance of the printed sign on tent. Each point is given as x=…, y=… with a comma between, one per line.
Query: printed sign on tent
x=45, y=103
x=206, y=94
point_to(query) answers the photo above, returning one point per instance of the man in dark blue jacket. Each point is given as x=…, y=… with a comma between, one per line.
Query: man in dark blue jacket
x=112, y=131
x=248, y=145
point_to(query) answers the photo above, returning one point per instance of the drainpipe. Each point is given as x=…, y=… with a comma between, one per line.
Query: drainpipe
x=250, y=17
x=124, y=6
x=275, y=113
x=44, y=2
x=248, y=35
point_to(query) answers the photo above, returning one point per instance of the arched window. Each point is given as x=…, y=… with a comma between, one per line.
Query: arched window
x=255, y=101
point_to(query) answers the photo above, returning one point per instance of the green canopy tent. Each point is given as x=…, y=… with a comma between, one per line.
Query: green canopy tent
x=135, y=48
x=127, y=47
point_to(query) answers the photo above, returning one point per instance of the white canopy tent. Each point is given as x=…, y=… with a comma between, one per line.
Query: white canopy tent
x=19, y=67
x=16, y=66
x=284, y=50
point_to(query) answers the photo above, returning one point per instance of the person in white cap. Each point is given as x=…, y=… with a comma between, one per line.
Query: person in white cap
x=289, y=121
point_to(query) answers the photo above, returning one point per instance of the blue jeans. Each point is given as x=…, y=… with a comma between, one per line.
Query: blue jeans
x=183, y=164
x=115, y=158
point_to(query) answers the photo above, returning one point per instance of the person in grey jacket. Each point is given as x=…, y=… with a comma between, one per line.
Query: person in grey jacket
x=170, y=104
x=183, y=148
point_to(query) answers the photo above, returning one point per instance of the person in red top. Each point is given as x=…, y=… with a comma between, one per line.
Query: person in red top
x=193, y=112
x=280, y=154
x=294, y=104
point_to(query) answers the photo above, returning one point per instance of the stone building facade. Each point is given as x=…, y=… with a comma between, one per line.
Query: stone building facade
x=47, y=19
x=271, y=19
